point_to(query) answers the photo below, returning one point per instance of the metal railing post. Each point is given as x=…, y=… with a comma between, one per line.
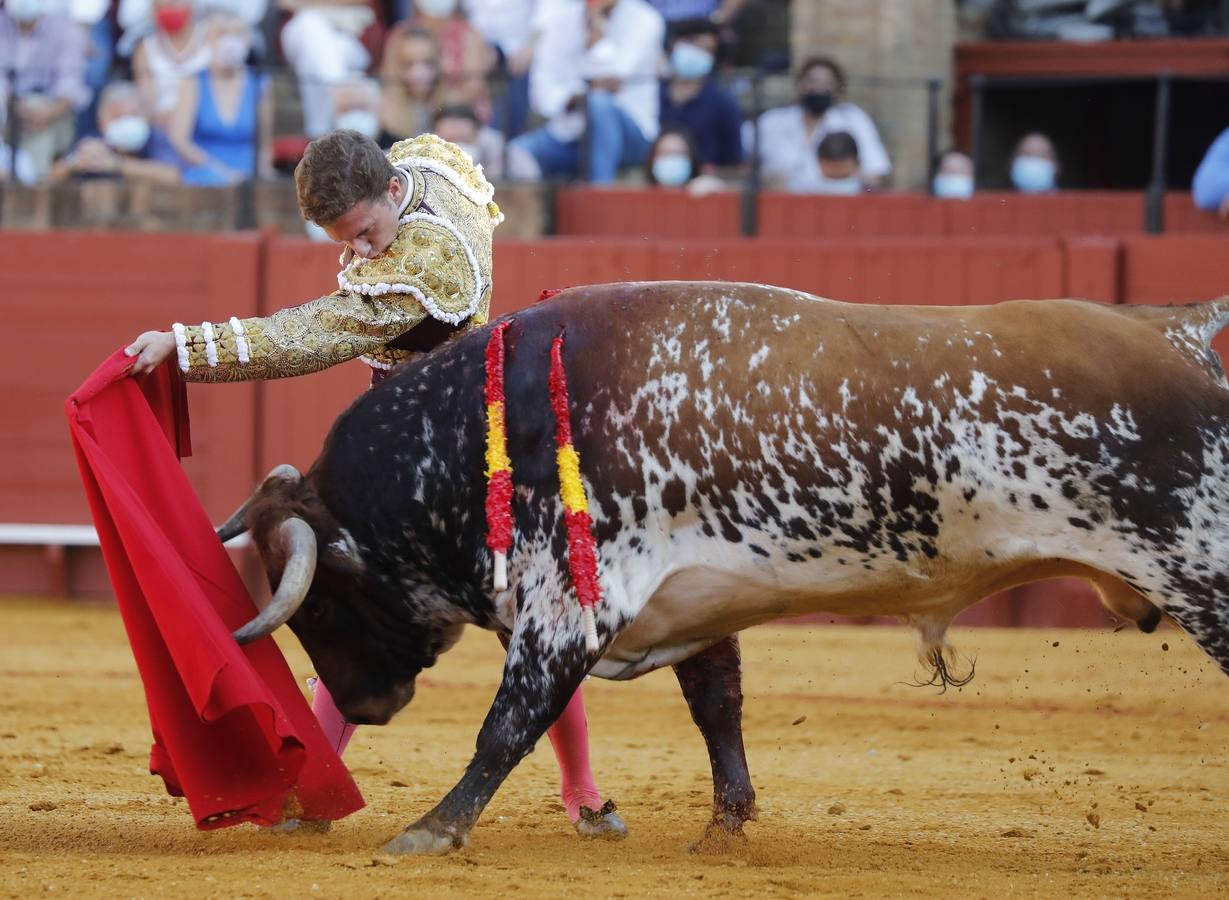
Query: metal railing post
x=977, y=118
x=933, y=86
x=1154, y=198
x=12, y=124
x=750, y=200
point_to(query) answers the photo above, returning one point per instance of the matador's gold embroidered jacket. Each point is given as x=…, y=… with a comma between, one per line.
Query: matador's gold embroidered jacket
x=439, y=265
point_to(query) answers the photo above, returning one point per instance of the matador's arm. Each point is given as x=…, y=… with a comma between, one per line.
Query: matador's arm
x=294, y=341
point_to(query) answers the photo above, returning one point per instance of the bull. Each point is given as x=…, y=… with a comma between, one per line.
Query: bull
x=749, y=453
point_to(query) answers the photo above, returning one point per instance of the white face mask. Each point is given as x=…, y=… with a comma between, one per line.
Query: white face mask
x=127, y=134
x=25, y=11
x=363, y=121
x=840, y=187
x=231, y=51
x=953, y=186
x=440, y=9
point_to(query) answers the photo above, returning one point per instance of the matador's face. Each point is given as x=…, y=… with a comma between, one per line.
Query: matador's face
x=369, y=226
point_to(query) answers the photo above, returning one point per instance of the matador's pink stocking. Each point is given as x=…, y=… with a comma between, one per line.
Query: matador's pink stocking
x=336, y=729
x=569, y=737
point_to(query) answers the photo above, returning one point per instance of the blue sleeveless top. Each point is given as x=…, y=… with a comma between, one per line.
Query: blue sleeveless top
x=233, y=142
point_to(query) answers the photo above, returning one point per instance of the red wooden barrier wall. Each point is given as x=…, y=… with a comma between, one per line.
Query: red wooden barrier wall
x=650, y=214
x=654, y=213
x=645, y=212
x=71, y=299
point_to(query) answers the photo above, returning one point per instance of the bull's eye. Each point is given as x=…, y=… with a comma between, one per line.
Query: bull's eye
x=318, y=611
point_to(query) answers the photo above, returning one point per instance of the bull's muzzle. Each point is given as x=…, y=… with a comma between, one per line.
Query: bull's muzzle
x=299, y=546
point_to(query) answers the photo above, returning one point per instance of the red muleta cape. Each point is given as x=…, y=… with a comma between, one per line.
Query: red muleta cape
x=232, y=732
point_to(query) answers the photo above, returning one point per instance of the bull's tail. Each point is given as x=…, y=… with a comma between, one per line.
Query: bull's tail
x=1208, y=319
x=1190, y=328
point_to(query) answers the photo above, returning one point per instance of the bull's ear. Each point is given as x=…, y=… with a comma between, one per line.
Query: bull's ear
x=341, y=554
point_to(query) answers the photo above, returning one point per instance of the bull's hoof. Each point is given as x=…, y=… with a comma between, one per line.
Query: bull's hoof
x=602, y=823
x=722, y=837
x=422, y=840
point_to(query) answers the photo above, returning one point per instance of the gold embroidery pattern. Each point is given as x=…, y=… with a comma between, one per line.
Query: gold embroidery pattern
x=303, y=339
x=448, y=270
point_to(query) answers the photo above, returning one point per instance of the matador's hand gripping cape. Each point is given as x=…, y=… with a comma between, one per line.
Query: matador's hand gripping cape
x=438, y=266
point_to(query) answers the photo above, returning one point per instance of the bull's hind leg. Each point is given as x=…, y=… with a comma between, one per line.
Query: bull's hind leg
x=712, y=684
x=541, y=673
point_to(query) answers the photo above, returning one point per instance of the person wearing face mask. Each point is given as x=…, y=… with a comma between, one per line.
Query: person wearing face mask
x=692, y=98
x=222, y=125
x=417, y=226
x=674, y=162
x=594, y=79
x=410, y=86
x=45, y=50
x=465, y=58
x=356, y=104
x=174, y=52
x=1034, y=165
x=840, y=171
x=953, y=177
x=126, y=146
x=789, y=136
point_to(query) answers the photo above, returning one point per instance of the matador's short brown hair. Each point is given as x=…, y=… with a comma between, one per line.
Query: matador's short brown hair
x=337, y=171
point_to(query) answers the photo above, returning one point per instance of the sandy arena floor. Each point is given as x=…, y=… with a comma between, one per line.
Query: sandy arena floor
x=1077, y=763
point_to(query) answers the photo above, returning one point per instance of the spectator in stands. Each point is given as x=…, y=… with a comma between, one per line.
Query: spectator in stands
x=126, y=146
x=840, y=171
x=485, y=145
x=595, y=62
x=410, y=87
x=508, y=26
x=356, y=105
x=175, y=51
x=789, y=136
x=1034, y=165
x=20, y=171
x=136, y=18
x=675, y=162
x=720, y=12
x=45, y=51
x=691, y=98
x=465, y=58
x=321, y=43
x=1211, y=184
x=95, y=19
x=953, y=176
x=223, y=123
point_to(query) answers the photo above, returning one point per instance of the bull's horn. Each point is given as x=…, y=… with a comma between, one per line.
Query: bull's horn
x=237, y=523
x=299, y=543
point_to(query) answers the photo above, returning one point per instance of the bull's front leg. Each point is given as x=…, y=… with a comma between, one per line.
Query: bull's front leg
x=541, y=672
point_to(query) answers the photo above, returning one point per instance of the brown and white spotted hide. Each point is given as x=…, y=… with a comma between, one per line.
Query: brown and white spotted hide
x=752, y=453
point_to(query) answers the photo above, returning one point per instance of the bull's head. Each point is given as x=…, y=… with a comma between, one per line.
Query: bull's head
x=322, y=590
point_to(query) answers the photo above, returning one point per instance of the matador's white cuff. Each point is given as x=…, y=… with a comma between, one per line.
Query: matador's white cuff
x=241, y=341
x=181, y=346
x=211, y=344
